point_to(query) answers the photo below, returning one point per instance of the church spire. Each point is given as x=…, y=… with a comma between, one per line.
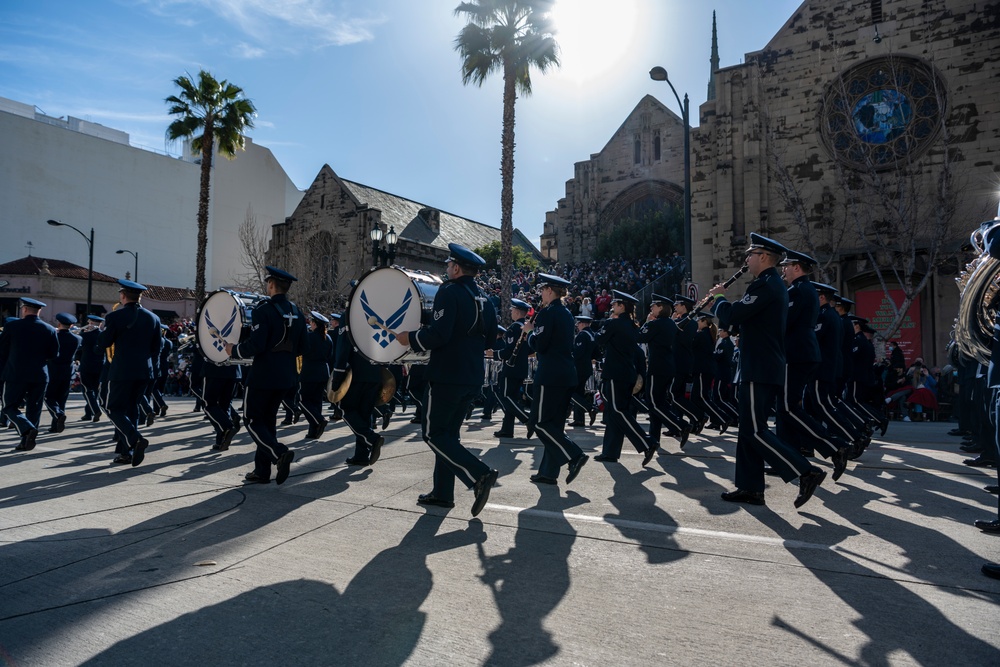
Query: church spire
x=714, y=60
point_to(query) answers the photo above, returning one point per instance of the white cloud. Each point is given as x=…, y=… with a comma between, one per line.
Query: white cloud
x=292, y=24
x=248, y=52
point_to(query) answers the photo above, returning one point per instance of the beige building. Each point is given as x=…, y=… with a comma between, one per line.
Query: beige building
x=849, y=136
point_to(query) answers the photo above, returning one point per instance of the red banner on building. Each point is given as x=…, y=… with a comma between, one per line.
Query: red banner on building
x=874, y=305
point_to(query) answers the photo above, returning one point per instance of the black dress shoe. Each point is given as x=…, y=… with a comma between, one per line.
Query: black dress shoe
x=286, y=422
x=385, y=422
x=980, y=462
x=531, y=431
x=121, y=458
x=992, y=570
x=376, y=451
x=684, y=435
x=741, y=496
x=415, y=420
x=86, y=418
x=839, y=460
x=771, y=472
x=650, y=451
x=808, y=483
x=575, y=466
x=593, y=415
x=431, y=499
x=992, y=488
x=605, y=459
x=357, y=461
x=883, y=426
x=482, y=490
x=991, y=527
x=139, y=451
x=502, y=434
x=577, y=424
x=972, y=448
x=253, y=478
x=542, y=479
x=97, y=419
x=226, y=439
x=163, y=411
x=28, y=441
x=957, y=431
x=283, y=466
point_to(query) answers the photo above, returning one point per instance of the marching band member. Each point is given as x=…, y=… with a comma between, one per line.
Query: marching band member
x=795, y=421
x=218, y=389
x=27, y=344
x=584, y=349
x=761, y=315
x=725, y=364
x=61, y=372
x=682, y=363
x=359, y=402
x=619, y=337
x=550, y=337
x=514, y=372
x=278, y=336
x=463, y=326
x=703, y=369
x=316, y=364
x=659, y=333
x=91, y=365
x=822, y=393
x=135, y=333
x=162, y=369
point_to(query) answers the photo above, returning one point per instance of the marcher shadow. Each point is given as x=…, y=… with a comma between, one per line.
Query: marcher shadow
x=377, y=620
x=636, y=502
x=528, y=582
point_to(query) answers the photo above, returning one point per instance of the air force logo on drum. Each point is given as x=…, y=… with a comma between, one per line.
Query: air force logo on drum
x=384, y=328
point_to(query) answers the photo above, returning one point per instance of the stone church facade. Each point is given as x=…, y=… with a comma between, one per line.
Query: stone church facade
x=325, y=243
x=846, y=95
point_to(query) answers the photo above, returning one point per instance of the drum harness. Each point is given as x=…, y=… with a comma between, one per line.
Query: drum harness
x=285, y=345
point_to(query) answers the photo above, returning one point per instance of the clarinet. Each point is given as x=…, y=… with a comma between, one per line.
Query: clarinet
x=517, y=346
x=708, y=297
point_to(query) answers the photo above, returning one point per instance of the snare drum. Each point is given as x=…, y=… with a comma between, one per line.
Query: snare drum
x=224, y=317
x=387, y=300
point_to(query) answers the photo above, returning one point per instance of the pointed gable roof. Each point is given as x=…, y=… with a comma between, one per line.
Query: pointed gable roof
x=648, y=102
x=35, y=266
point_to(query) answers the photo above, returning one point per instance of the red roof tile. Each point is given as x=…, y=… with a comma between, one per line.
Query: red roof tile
x=32, y=266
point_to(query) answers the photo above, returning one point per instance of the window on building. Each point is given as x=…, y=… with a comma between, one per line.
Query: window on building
x=876, y=11
x=656, y=146
x=638, y=149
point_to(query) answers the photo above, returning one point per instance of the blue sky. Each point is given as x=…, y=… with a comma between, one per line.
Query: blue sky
x=374, y=88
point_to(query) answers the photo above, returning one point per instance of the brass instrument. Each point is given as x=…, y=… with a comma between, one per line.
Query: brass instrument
x=388, y=389
x=336, y=395
x=979, y=286
x=109, y=351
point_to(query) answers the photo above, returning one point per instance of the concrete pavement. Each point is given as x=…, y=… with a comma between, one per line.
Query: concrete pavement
x=176, y=562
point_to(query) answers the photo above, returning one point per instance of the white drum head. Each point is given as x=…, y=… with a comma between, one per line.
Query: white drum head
x=220, y=321
x=384, y=302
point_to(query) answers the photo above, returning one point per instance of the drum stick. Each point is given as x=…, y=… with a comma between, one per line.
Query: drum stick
x=375, y=323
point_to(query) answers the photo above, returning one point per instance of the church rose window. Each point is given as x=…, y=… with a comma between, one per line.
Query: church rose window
x=882, y=112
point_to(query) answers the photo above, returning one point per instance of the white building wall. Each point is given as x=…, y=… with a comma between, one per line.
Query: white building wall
x=134, y=199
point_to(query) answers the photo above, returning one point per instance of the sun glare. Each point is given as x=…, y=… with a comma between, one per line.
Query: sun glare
x=593, y=35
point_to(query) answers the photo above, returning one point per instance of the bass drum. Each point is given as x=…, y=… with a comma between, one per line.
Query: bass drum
x=387, y=300
x=224, y=317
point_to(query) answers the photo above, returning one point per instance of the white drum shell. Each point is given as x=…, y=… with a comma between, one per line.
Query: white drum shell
x=397, y=300
x=228, y=314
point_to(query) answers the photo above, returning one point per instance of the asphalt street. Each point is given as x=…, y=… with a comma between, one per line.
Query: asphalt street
x=176, y=562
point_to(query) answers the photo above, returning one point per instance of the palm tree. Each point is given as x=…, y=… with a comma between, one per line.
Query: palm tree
x=509, y=36
x=220, y=112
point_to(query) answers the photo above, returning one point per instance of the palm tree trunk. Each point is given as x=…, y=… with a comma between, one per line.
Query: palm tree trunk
x=207, y=146
x=507, y=193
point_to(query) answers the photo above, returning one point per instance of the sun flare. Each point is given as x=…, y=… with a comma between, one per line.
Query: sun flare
x=593, y=35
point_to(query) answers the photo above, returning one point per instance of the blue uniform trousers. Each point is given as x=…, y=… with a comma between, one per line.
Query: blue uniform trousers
x=57, y=391
x=358, y=405
x=620, y=418
x=123, y=408
x=32, y=393
x=550, y=408
x=91, y=382
x=757, y=444
x=311, y=396
x=510, y=392
x=446, y=405
x=794, y=424
x=218, y=393
x=260, y=408
x=661, y=407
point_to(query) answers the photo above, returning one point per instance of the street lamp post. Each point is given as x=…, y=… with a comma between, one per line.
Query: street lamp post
x=387, y=255
x=135, y=274
x=90, y=266
x=660, y=74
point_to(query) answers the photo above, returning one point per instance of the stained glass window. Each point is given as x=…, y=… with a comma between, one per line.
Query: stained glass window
x=883, y=111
